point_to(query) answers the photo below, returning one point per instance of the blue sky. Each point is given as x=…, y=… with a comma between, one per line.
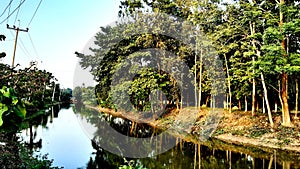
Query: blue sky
x=59, y=28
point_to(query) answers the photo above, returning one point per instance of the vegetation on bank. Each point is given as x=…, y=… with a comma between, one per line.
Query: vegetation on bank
x=23, y=94
x=16, y=155
x=25, y=91
x=238, y=127
x=257, y=42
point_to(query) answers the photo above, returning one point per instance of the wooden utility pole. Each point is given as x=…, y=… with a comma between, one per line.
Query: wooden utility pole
x=17, y=29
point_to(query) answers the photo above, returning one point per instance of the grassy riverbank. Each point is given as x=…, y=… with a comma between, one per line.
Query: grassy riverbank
x=243, y=128
x=237, y=128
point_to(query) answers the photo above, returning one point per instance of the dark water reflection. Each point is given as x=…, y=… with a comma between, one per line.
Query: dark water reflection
x=60, y=134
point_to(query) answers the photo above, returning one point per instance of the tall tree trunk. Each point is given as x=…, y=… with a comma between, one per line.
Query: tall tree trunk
x=263, y=109
x=246, y=104
x=212, y=101
x=227, y=101
x=53, y=94
x=286, y=121
x=297, y=95
x=181, y=100
x=207, y=100
x=228, y=81
x=195, y=80
x=59, y=96
x=279, y=94
x=270, y=162
x=266, y=99
x=252, y=30
x=253, y=95
x=199, y=155
x=286, y=164
x=276, y=107
x=200, y=80
x=195, y=156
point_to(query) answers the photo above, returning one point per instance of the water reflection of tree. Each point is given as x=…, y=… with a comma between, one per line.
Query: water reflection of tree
x=41, y=118
x=116, y=128
x=104, y=159
x=184, y=155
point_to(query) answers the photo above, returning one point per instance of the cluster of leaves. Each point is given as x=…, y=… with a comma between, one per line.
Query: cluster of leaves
x=12, y=109
x=131, y=165
x=2, y=54
x=30, y=161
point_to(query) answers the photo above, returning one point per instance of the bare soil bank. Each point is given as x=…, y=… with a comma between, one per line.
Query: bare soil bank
x=237, y=131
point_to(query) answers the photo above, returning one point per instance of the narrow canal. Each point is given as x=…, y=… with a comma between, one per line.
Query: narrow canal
x=60, y=134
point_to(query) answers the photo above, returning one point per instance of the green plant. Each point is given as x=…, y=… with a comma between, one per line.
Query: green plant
x=257, y=132
x=219, y=132
x=238, y=132
x=11, y=107
x=131, y=165
x=28, y=160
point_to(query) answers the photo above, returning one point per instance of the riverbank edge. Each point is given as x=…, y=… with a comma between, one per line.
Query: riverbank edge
x=254, y=145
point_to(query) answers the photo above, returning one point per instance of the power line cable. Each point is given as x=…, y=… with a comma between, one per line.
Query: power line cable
x=8, y=13
x=35, y=12
x=17, y=13
x=6, y=8
x=13, y=12
x=34, y=48
x=25, y=49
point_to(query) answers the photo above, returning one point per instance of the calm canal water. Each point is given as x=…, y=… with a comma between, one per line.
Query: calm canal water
x=59, y=133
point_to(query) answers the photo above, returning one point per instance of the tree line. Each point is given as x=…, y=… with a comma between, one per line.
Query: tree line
x=257, y=41
x=25, y=91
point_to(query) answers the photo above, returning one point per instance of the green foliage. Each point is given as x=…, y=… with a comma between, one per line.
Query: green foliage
x=34, y=162
x=113, y=58
x=77, y=93
x=2, y=54
x=131, y=165
x=66, y=95
x=11, y=107
x=257, y=132
x=248, y=34
x=33, y=85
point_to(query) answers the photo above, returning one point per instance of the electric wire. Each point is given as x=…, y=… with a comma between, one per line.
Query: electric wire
x=6, y=8
x=24, y=47
x=33, y=46
x=17, y=13
x=34, y=13
x=13, y=12
x=8, y=13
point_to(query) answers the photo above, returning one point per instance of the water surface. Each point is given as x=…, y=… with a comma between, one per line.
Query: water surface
x=59, y=133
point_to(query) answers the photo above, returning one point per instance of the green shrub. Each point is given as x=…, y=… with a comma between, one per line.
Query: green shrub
x=12, y=108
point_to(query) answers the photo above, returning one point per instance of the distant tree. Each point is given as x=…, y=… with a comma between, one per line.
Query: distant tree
x=2, y=54
x=77, y=93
